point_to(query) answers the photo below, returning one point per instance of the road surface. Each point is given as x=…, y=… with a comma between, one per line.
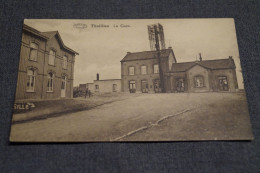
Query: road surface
x=147, y=117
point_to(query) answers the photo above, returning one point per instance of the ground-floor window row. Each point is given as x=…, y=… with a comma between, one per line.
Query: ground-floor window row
x=179, y=84
x=144, y=85
x=31, y=78
x=114, y=88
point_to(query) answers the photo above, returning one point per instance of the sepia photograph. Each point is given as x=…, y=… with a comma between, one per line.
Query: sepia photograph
x=118, y=80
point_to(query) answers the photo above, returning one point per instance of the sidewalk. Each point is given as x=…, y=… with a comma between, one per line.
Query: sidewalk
x=57, y=107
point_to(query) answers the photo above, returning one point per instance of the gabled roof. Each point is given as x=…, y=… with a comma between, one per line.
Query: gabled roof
x=209, y=64
x=34, y=31
x=47, y=36
x=146, y=55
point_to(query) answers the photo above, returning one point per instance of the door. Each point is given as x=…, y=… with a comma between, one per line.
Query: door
x=157, y=86
x=132, y=88
x=223, y=83
x=180, y=85
x=144, y=86
x=63, y=86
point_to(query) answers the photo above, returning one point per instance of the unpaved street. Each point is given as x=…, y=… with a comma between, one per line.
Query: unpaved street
x=147, y=117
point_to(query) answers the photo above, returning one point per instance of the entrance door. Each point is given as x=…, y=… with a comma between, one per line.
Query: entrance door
x=157, y=86
x=63, y=86
x=180, y=85
x=132, y=88
x=223, y=83
x=144, y=86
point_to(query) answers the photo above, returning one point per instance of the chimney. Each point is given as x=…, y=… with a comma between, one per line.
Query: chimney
x=200, y=57
x=97, y=76
x=231, y=61
x=169, y=47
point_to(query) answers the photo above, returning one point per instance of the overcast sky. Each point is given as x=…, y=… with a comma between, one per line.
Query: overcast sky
x=101, y=48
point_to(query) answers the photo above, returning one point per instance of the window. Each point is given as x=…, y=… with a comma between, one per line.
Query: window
x=63, y=82
x=50, y=82
x=52, y=57
x=132, y=85
x=96, y=87
x=30, y=80
x=199, y=81
x=65, y=62
x=155, y=68
x=131, y=70
x=33, y=51
x=143, y=69
x=114, y=87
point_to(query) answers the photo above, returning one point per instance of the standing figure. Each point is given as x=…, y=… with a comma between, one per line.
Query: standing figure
x=86, y=92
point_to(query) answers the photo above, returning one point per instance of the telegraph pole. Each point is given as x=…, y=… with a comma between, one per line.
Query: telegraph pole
x=157, y=46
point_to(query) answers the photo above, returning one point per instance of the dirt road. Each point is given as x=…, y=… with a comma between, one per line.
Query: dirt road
x=151, y=117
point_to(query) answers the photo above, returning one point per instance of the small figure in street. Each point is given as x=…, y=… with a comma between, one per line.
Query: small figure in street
x=89, y=93
x=86, y=92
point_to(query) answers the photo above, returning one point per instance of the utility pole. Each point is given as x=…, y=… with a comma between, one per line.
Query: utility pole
x=157, y=46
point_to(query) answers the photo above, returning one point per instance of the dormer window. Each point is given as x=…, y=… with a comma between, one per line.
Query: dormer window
x=52, y=55
x=33, y=51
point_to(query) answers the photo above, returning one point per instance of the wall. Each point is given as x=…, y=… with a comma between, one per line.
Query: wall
x=194, y=71
x=231, y=77
x=173, y=79
x=107, y=85
x=138, y=77
x=58, y=70
x=91, y=87
x=24, y=63
x=42, y=68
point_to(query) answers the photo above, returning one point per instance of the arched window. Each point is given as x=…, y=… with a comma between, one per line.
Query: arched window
x=199, y=81
x=30, y=80
x=65, y=62
x=52, y=55
x=50, y=82
x=33, y=51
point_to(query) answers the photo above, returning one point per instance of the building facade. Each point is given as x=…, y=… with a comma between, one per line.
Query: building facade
x=46, y=66
x=140, y=73
x=140, y=70
x=108, y=85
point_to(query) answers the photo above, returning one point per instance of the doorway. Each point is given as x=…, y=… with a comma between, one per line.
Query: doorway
x=180, y=85
x=132, y=88
x=223, y=83
x=157, y=86
x=63, y=86
x=144, y=86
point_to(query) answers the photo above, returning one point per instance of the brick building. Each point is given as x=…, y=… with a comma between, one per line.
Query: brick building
x=46, y=66
x=140, y=73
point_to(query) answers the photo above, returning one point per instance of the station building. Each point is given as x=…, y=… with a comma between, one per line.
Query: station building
x=140, y=73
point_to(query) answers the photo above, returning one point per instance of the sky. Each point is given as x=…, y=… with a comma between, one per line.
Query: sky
x=102, y=44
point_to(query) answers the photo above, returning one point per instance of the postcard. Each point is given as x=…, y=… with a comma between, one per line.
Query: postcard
x=129, y=80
